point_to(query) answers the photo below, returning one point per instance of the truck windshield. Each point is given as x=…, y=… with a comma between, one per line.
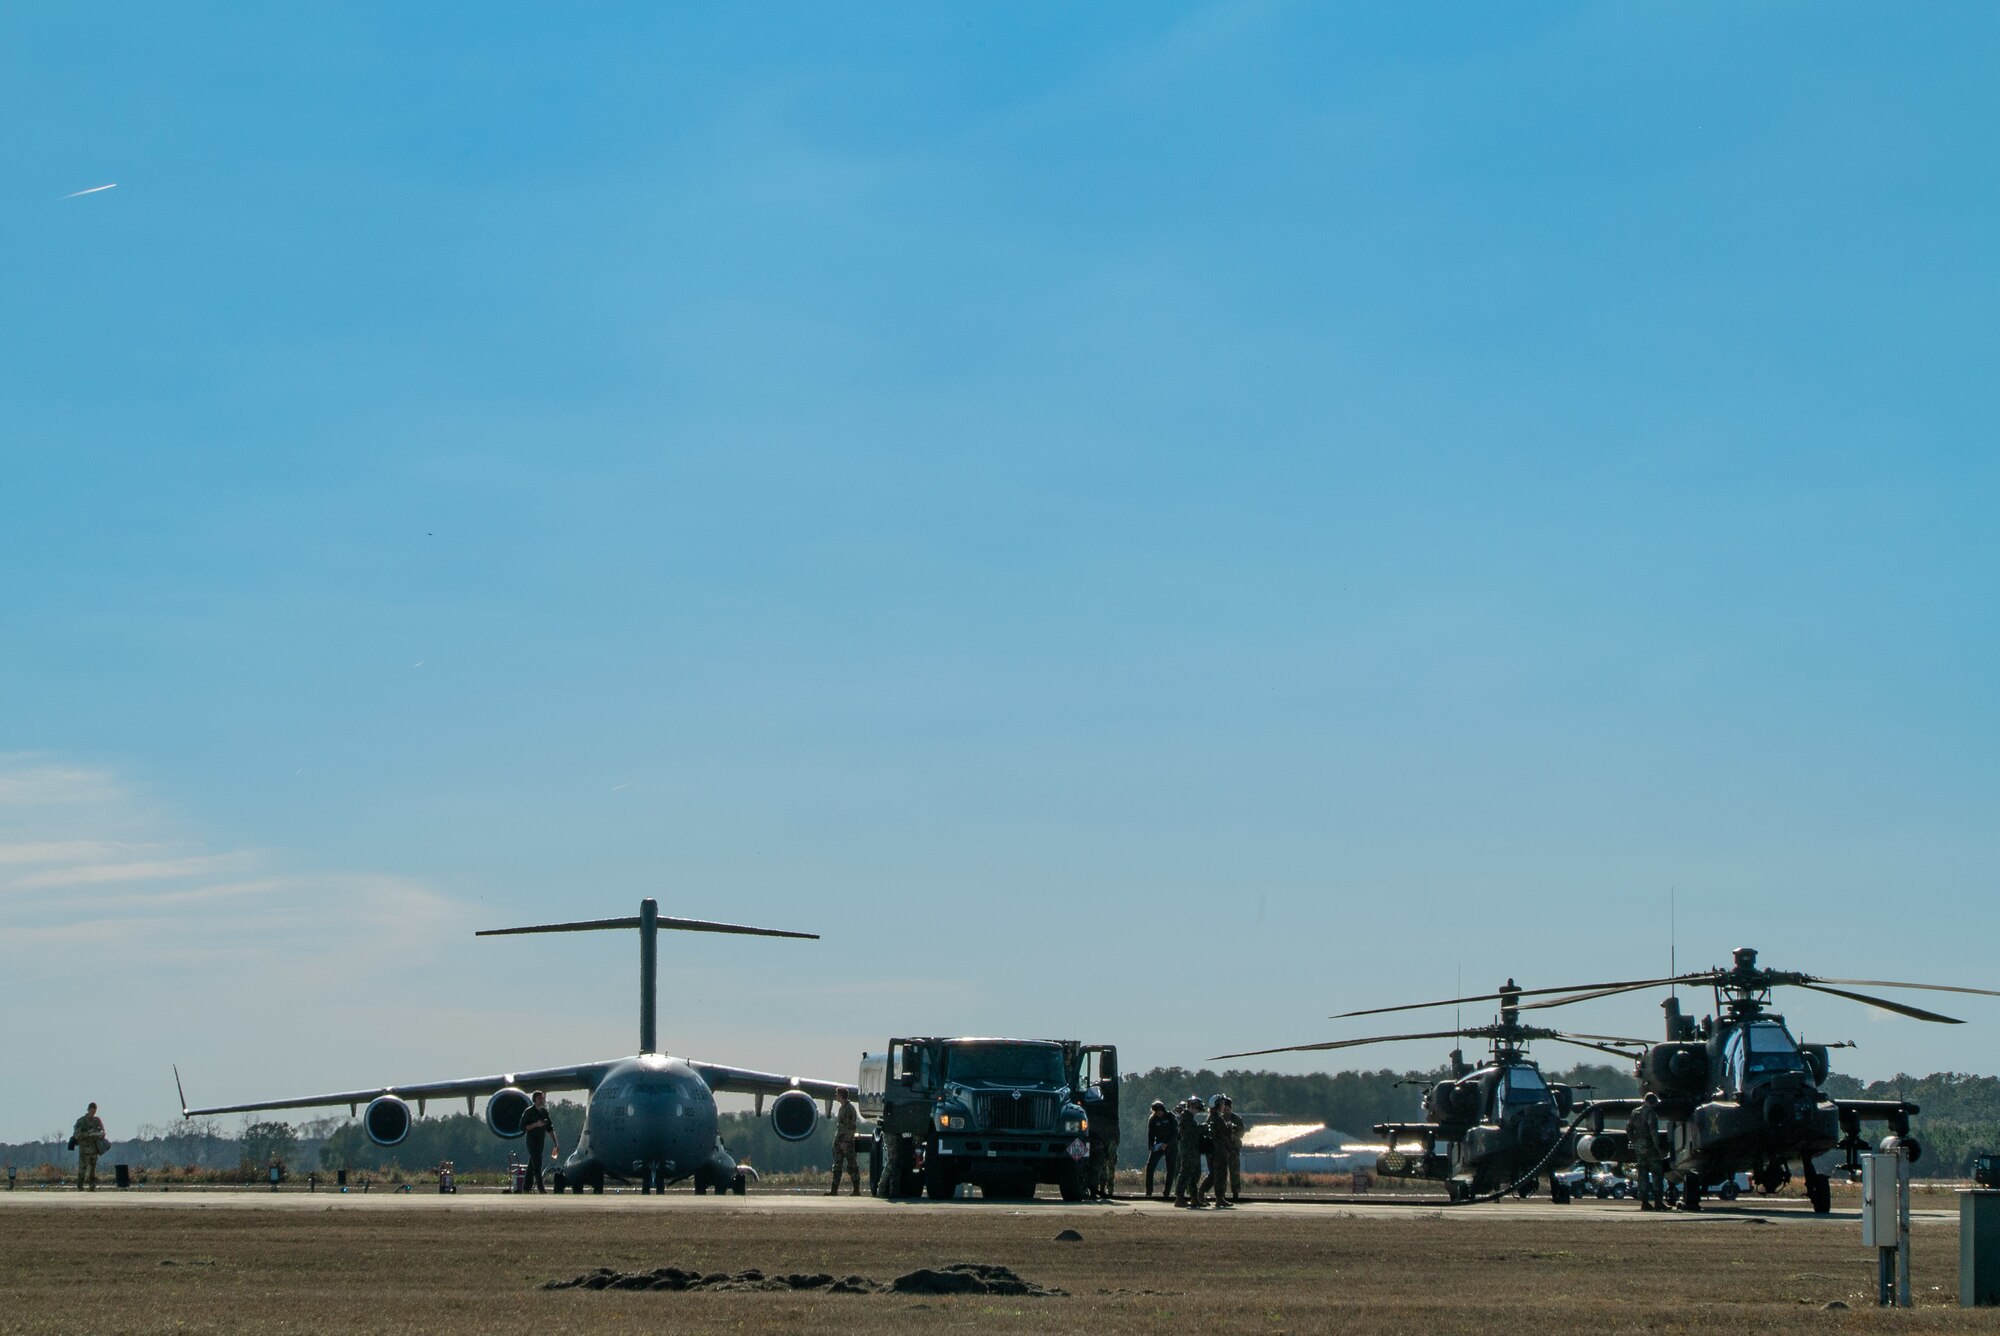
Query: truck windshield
x=1004, y=1065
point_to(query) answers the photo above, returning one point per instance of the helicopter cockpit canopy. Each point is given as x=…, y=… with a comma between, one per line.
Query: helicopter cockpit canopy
x=1759, y=1051
x=1513, y=1087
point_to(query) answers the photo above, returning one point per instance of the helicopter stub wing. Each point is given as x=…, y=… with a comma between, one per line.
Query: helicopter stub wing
x=1876, y=1110
x=1430, y=1134
x=1606, y=1115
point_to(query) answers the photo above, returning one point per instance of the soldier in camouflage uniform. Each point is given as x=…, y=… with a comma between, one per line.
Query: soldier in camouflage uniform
x=1227, y=1128
x=88, y=1138
x=846, y=1128
x=1102, y=1104
x=1187, y=1154
x=1642, y=1136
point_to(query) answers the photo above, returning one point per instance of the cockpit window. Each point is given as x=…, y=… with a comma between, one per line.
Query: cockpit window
x=1524, y=1086
x=1763, y=1048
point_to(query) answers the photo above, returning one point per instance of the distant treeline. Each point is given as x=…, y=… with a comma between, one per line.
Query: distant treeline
x=1960, y=1118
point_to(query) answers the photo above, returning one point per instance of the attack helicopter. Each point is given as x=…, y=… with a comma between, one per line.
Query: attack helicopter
x=1490, y=1129
x=1736, y=1092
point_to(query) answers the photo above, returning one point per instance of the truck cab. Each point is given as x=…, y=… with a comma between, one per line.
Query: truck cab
x=1006, y=1115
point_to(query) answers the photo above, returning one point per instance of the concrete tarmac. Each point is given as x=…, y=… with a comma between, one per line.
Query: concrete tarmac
x=1786, y=1211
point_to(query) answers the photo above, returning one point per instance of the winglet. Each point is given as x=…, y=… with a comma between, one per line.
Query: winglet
x=181, y=1090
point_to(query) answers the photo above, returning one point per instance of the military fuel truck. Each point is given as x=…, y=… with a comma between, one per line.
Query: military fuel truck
x=1003, y=1114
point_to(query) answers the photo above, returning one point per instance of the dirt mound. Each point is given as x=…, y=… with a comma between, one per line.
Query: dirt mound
x=958, y=1278
x=968, y=1278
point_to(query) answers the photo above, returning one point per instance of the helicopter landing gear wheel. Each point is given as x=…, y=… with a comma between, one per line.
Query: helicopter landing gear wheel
x=1527, y=1189
x=1691, y=1194
x=1558, y=1192
x=1819, y=1191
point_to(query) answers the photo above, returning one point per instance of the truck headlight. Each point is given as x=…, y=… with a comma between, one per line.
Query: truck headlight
x=1076, y=1124
x=952, y=1122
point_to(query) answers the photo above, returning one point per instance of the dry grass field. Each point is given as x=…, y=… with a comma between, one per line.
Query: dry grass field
x=477, y=1268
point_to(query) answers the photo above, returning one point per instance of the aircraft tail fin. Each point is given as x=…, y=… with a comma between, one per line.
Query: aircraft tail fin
x=648, y=922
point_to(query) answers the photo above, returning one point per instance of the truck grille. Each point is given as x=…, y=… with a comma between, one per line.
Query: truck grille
x=1004, y=1113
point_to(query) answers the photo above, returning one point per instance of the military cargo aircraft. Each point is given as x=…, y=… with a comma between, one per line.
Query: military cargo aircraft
x=649, y=1118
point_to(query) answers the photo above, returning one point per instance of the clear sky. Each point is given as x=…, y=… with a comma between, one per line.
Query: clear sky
x=1147, y=522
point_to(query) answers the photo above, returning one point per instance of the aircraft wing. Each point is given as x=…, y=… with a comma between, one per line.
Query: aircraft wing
x=584, y=1076
x=738, y=1081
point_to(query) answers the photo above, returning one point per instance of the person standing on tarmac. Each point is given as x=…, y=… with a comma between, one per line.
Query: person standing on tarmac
x=1187, y=1155
x=1215, y=1145
x=846, y=1128
x=1642, y=1135
x=87, y=1136
x=1160, y=1147
x=1227, y=1128
x=537, y=1123
x=1104, y=1139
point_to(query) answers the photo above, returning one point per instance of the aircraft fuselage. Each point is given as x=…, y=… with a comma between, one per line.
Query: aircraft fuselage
x=651, y=1119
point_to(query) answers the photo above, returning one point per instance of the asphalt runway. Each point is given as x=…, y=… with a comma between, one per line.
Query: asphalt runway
x=1778, y=1210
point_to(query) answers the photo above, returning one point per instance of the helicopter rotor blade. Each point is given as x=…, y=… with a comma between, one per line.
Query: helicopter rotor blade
x=1494, y=995
x=1336, y=1043
x=1928, y=987
x=1900, y=1008
x=1607, y=1039
x=1601, y=1048
x=1612, y=990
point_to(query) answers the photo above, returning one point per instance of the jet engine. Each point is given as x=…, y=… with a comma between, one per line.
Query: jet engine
x=386, y=1120
x=1678, y=1072
x=1453, y=1102
x=794, y=1115
x=505, y=1109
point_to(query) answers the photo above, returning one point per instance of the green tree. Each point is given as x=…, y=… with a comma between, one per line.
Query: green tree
x=265, y=1142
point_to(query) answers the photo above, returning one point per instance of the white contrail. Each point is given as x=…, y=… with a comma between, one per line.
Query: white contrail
x=92, y=191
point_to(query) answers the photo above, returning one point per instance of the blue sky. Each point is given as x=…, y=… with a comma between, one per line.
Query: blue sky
x=1157, y=523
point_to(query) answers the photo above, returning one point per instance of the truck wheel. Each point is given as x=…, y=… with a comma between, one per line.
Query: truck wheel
x=940, y=1181
x=1069, y=1181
